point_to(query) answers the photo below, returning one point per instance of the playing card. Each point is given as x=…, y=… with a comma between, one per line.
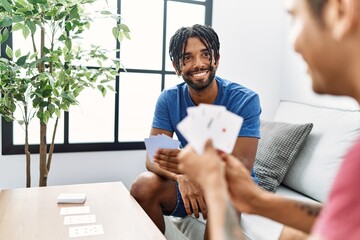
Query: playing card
x=194, y=131
x=224, y=130
x=159, y=141
x=79, y=219
x=74, y=210
x=211, y=110
x=88, y=230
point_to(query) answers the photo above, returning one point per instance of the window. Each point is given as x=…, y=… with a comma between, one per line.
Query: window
x=120, y=121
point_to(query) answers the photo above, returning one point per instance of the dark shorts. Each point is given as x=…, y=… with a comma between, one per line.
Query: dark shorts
x=180, y=211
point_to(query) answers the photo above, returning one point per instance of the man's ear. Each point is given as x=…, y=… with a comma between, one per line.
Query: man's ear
x=217, y=62
x=342, y=16
x=176, y=70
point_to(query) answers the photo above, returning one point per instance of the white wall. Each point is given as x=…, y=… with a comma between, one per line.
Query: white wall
x=251, y=37
x=255, y=52
x=75, y=168
x=296, y=83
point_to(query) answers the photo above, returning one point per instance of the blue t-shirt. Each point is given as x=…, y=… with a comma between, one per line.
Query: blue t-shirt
x=172, y=104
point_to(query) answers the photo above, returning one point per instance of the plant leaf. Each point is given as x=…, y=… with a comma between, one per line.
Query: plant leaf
x=22, y=3
x=25, y=32
x=17, y=18
x=21, y=61
x=40, y=1
x=115, y=32
x=31, y=26
x=7, y=22
x=124, y=27
x=102, y=90
x=68, y=44
x=17, y=53
x=127, y=35
x=57, y=112
x=6, y=5
x=74, y=12
x=9, y=52
x=105, y=12
x=51, y=108
x=17, y=26
x=5, y=35
x=111, y=88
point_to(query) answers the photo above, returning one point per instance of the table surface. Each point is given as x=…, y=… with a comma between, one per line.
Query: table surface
x=33, y=213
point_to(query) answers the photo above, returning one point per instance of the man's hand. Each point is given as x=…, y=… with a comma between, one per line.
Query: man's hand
x=208, y=170
x=192, y=196
x=167, y=159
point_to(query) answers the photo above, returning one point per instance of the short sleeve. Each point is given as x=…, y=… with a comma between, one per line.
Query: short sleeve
x=162, y=118
x=251, y=111
x=340, y=218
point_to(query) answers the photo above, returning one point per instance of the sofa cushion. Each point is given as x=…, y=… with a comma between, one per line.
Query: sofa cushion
x=279, y=145
x=334, y=132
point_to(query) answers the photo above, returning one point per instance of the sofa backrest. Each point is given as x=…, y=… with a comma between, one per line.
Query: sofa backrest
x=333, y=133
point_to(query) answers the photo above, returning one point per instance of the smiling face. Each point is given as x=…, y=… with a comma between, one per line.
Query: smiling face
x=197, y=68
x=312, y=37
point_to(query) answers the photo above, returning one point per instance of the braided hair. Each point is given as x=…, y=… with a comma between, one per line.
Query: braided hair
x=178, y=42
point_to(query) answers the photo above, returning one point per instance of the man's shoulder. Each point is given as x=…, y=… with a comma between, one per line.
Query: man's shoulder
x=234, y=87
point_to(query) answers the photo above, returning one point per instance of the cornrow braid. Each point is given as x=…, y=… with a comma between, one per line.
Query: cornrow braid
x=178, y=42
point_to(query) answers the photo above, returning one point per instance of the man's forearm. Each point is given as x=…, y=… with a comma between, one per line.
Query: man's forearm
x=152, y=167
x=222, y=218
x=296, y=214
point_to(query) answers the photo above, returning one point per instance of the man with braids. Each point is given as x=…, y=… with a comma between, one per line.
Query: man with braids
x=194, y=52
x=327, y=35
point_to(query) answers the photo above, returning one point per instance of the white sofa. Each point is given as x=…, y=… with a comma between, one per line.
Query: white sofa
x=309, y=177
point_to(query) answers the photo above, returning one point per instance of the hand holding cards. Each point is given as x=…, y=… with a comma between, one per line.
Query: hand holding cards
x=159, y=141
x=210, y=122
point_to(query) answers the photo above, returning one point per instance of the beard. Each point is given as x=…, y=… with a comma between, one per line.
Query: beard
x=200, y=86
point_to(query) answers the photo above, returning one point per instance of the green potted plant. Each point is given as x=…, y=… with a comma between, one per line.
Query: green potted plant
x=47, y=80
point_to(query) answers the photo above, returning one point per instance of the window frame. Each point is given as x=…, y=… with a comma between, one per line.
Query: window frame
x=9, y=148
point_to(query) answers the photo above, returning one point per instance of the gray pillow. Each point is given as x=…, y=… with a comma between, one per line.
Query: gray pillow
x=279, y=145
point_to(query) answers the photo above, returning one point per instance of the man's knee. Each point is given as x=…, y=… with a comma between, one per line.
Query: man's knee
x=145, y=186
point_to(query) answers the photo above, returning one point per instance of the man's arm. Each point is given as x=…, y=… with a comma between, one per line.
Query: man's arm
x=245, y=150
x=209, y=171
x=296, y=214
x=292, y=233
x=223, y=219
x=249, y=198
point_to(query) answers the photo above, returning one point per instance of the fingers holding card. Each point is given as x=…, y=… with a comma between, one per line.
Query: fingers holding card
x=159, y=141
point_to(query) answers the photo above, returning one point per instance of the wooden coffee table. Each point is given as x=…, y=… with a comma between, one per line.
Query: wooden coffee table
x=33, y=213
